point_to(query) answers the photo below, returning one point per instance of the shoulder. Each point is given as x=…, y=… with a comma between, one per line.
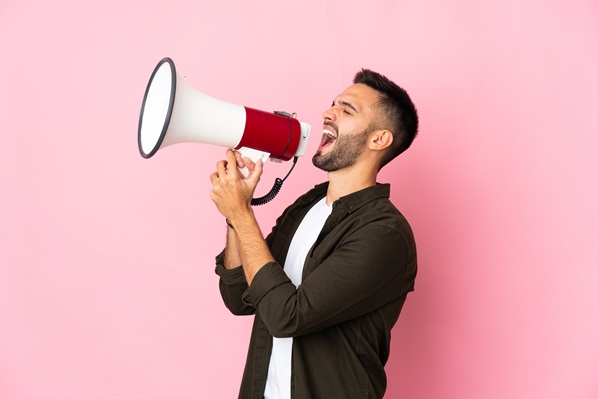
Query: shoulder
x=382, y=216
x=308, y=199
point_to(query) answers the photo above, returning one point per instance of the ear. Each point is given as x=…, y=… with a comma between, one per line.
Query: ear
x=380, y=140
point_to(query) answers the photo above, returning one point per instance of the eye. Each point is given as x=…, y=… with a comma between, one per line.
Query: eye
x=346, y=112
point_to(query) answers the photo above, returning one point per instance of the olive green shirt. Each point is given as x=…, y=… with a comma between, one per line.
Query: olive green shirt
x=355, y=281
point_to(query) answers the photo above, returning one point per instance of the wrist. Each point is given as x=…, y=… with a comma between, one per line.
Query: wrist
x=240, y=217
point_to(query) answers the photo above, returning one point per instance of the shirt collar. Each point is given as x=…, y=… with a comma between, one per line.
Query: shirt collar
x=356, y=200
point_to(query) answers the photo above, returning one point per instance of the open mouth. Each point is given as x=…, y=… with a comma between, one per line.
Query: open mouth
x=328, y=137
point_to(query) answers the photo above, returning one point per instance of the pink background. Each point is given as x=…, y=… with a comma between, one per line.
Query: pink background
x=107, y=287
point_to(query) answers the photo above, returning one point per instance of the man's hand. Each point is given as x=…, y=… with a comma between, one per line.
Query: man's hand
x=232, y=195
x=231, y=192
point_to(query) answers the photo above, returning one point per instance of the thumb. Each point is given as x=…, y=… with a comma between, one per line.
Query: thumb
x=257, y=172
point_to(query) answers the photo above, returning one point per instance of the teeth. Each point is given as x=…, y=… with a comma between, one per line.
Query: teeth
x=329, y=133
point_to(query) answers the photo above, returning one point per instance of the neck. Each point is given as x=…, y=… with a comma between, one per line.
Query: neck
x=348, y=180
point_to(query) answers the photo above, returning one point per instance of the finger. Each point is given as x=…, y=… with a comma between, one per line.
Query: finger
x=214, y=178
x=221, y=168
x=257, y=171
x=240, y=160
x=259, y=166
x=231, y=157
x=232, y=160
x=250, y=165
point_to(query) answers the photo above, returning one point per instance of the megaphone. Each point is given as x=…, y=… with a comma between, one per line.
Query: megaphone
x=174, y=112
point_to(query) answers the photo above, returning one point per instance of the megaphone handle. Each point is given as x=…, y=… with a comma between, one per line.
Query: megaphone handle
x=254, y=155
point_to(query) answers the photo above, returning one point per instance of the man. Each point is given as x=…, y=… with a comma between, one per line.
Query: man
x=328, y=283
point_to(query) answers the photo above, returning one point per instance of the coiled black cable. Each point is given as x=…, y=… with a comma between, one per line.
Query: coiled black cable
x=275, y=188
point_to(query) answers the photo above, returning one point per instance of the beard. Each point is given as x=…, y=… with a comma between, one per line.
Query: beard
x=344, y=154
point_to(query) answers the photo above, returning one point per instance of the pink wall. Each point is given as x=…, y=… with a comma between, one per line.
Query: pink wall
x=107, y=287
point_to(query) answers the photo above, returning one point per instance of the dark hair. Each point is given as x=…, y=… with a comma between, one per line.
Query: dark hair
x=398, y=113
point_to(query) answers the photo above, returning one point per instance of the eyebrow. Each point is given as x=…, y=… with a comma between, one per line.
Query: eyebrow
x=345, y=104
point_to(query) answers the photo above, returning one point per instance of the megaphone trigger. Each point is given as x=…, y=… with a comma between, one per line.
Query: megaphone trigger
x=254, y=155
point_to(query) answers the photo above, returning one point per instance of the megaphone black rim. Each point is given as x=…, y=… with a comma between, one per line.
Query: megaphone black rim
x=168, y=113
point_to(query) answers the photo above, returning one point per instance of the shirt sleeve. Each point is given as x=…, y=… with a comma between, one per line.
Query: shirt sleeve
x=232, y=286
x=371, y=267
x=233, y=283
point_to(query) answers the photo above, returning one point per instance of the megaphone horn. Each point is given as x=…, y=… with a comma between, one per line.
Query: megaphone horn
x=174, y=112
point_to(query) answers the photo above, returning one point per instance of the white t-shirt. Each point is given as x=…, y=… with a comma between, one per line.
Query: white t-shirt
x=278, y=383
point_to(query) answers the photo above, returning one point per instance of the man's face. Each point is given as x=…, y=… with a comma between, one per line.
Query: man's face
x=347, y=124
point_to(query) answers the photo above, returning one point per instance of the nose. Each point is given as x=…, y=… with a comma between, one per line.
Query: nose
x=329, y=114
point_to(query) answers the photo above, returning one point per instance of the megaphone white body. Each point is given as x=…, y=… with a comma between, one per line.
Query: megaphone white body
x=174, y=112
